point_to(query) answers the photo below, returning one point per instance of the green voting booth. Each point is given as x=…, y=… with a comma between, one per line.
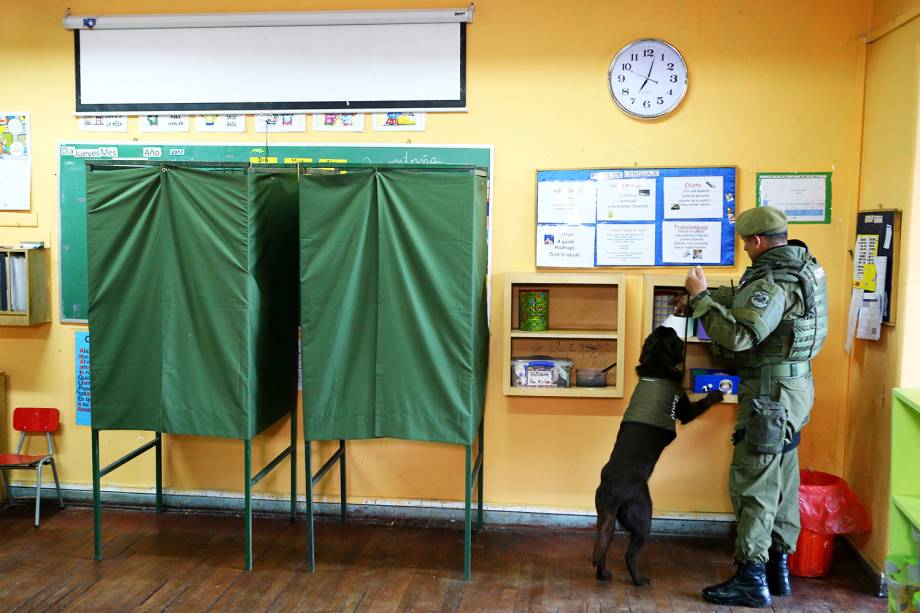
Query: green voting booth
x=192, y=274
x=394, y=328
x=193, y=309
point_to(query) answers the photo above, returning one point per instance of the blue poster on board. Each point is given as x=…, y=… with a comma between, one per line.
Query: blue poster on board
x=636, y=217
x=81, y=359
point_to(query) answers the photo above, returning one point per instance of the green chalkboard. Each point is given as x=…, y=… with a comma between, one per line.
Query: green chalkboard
x=72, y=177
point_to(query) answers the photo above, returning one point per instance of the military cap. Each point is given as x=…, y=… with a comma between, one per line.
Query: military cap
x=762, y=221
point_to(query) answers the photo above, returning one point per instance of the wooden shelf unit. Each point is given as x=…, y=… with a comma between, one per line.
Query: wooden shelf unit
x=587, y=318
x=38, y=302
x=698, y=354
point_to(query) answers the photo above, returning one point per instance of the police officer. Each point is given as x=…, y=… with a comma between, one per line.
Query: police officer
x=769, y=329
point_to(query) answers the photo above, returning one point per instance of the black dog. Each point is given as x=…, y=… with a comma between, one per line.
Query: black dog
x=647, y=428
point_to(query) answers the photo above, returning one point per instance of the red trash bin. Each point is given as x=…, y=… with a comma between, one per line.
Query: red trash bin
x=828, y=507
x=813, y=554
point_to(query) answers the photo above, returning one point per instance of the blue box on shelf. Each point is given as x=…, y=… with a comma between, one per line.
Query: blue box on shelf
x=710, y=379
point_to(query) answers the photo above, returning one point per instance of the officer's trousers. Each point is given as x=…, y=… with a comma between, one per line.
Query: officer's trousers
x=765, y=488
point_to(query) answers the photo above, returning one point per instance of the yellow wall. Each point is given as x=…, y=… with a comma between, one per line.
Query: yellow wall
x=774, y=87
x=889, y=159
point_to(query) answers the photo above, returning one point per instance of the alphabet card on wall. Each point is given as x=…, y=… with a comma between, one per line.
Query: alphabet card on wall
x=281, y=122
x=103, y=123
x=163, y=123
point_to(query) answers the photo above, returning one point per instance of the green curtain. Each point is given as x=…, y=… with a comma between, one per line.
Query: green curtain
x=338, y=281
x=186, y=270
x=393, y=266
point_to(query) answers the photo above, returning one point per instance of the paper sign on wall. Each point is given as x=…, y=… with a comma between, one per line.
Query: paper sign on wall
x=83, y=396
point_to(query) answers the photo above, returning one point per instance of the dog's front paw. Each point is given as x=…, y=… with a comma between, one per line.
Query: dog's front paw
x=715, y=397
x=642, y=581
x=603, y=574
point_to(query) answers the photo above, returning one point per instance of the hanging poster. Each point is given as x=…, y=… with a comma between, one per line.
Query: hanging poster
x=15, y=162
x=81, y=360
x=640, y=216
x=803, y=197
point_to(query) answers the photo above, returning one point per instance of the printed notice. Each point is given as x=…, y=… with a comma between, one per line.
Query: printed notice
x=81, y=359
x=803, y=198
x=568, y=202
x=626, y=244
x=626, y=200
x=691, y=242
x=693, y=198
x=565, y=246
x=864, y=261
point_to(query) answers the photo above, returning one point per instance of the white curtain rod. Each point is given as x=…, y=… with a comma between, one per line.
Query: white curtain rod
x=247, y=20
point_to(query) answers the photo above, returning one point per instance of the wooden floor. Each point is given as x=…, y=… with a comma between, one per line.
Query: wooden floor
x=187, y=562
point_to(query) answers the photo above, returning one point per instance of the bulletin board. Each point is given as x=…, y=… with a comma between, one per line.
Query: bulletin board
x=72, y=177
x=592, y=218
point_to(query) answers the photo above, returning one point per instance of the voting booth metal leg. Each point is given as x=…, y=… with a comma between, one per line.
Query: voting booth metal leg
x=99, y=473
x=312, y=480
x=97, y=506
x=343, y=505
x=480, y=478
x=247, y=504
x=159, y=461
x=311, y=560
x=473, y=477
x=294, y=465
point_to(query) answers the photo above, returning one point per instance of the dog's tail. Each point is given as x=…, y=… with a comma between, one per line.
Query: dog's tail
x=606, y=521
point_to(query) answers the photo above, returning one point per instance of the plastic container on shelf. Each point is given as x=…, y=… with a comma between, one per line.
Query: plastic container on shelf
x=540, y=371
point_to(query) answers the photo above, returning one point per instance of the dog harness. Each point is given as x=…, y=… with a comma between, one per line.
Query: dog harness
x=654, y=403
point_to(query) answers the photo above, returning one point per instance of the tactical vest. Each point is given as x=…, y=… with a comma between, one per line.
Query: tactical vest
x=654, y=402
x=798, y=338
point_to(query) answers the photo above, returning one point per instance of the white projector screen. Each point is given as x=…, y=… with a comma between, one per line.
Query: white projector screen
x=297, y=68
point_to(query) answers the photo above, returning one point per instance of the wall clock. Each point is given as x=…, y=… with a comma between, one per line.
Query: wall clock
x=648, y=78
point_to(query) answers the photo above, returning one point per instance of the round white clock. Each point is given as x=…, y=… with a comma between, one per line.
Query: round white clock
x=648, y=78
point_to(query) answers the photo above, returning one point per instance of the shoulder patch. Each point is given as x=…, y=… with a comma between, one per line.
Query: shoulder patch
x=760, y=299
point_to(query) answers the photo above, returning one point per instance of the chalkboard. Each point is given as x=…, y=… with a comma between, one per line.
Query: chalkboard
x=72, y=178
x=589, y=218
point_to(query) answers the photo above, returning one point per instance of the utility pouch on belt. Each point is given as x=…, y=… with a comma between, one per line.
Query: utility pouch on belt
x=766, y=429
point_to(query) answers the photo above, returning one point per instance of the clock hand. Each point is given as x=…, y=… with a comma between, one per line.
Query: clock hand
x=648, y=76
x=644, y=77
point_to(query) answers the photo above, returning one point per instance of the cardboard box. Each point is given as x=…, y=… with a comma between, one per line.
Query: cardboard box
x=710, y=379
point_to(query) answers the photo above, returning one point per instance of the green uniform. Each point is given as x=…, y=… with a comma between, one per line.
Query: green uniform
x=654, y=402
x=769, y=330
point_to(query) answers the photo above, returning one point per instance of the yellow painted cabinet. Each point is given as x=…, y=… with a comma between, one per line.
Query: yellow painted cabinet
x=25, y=297
x=586, y=315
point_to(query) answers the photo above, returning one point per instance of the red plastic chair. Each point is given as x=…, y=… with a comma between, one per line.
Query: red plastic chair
x=33, y=421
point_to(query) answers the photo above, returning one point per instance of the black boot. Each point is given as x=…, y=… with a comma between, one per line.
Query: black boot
x=778, y=574
x=748, y=588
